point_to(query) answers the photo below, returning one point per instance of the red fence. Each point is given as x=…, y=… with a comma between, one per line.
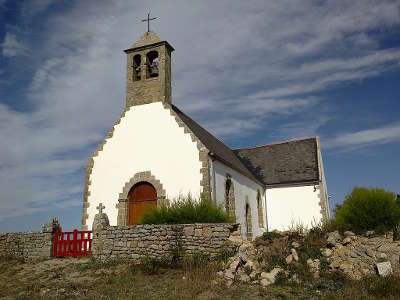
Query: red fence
x=74, y=243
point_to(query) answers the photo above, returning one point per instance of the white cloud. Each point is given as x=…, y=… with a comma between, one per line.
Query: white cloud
x=11, y=46
x=380, y=135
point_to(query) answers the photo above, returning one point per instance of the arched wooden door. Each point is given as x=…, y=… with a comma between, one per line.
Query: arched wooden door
x=142, y=198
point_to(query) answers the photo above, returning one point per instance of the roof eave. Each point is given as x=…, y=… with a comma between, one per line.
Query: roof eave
x=150, y=46
x=237, y=169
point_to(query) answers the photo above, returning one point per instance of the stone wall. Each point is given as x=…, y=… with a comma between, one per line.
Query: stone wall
x=156, y=241
x=30, y=244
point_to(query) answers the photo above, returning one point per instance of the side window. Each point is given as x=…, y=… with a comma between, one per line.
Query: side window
x=230, y=198
x=260, y=210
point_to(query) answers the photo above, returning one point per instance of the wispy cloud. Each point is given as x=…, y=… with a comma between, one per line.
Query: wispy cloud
x=366, y=137
x=11, y=46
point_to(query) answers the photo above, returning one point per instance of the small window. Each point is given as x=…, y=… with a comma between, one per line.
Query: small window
x=136, y=67
x=260, y=210
x=152, y=64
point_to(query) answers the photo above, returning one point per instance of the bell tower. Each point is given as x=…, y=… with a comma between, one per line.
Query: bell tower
x=148, y=71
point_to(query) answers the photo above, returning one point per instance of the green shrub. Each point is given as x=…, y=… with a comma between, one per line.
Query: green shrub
x=368, y=209
x=225, y=253
x=195, y=260
x=270, y=235
x=152, y=266
x=187, y=210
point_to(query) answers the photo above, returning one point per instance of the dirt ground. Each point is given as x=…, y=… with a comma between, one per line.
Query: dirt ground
x=84, y=278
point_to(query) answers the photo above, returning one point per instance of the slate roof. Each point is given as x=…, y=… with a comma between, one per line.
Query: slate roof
x=284, y=163
x=214, y=145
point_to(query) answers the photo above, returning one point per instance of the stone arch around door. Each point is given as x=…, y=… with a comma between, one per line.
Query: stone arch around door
x=123, y=205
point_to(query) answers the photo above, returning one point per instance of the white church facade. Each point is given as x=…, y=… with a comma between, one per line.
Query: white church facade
x=156, y=152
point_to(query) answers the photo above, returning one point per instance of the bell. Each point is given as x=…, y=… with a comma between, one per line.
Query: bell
x=154, y=70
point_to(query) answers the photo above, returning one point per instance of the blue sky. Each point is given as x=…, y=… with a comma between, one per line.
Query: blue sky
x=252, y=72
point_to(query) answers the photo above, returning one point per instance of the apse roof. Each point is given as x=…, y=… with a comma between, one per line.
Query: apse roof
x=283, y=163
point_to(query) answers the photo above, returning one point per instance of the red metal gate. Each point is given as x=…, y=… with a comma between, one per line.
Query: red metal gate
x=74, y=243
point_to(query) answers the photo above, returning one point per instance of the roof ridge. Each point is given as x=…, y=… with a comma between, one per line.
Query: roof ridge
x=277, y=143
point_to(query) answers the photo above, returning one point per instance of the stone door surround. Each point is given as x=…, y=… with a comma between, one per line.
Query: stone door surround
x=122, y=205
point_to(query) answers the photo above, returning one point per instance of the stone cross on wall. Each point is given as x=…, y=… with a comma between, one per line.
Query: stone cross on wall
x=100, y=208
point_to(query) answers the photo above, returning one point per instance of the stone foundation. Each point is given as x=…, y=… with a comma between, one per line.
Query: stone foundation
x=156, y=241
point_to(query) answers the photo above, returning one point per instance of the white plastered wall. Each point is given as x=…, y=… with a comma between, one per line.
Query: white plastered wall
x=148, y=138
x=243, y=186
x=287, y=206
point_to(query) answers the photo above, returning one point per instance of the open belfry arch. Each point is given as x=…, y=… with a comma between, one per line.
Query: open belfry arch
x=156, y=152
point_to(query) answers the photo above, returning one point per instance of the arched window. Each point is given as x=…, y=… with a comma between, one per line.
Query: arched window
x=249, y=227
x=260, y=210
x=136, y=67
x=230, y=197
x=152, y=64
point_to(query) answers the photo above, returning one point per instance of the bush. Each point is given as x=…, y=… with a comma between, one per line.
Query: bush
x=187, y=211
x=368, y=209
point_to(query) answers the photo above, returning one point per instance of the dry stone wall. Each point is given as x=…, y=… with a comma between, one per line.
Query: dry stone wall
x=29, y=244
x=358, y=256
x=156, y=241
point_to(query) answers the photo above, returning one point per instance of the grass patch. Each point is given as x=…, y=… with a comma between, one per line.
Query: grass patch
x=187, y=210
x=95, y=264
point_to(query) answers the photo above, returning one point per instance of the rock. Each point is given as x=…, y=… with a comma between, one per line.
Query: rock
x=235, y=240
x=289, y=259
x=244, y=278
x=294, y=254
x=234, y=265
x=229, y=283
x=249, y=264
x=247, y=246
x=348, y=233
x=220, y=274
x=346, y=267
x=295, y=244
x=310, y=262
x=381, y=255
x=253, y=275
x=265, y=282
x=370, y=233
x=243, y=257
x=335, y=264
x=370, y=253
x=327, y=252
x=346, y=241
x=384, y=268
x=229, y=275
x=271, y=276
x=333, y=238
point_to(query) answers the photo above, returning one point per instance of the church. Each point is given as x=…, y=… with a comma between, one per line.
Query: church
x=156, y=152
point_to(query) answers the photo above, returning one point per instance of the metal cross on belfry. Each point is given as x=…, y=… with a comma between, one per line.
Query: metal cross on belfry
x=148, y=21
x=100, y=208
